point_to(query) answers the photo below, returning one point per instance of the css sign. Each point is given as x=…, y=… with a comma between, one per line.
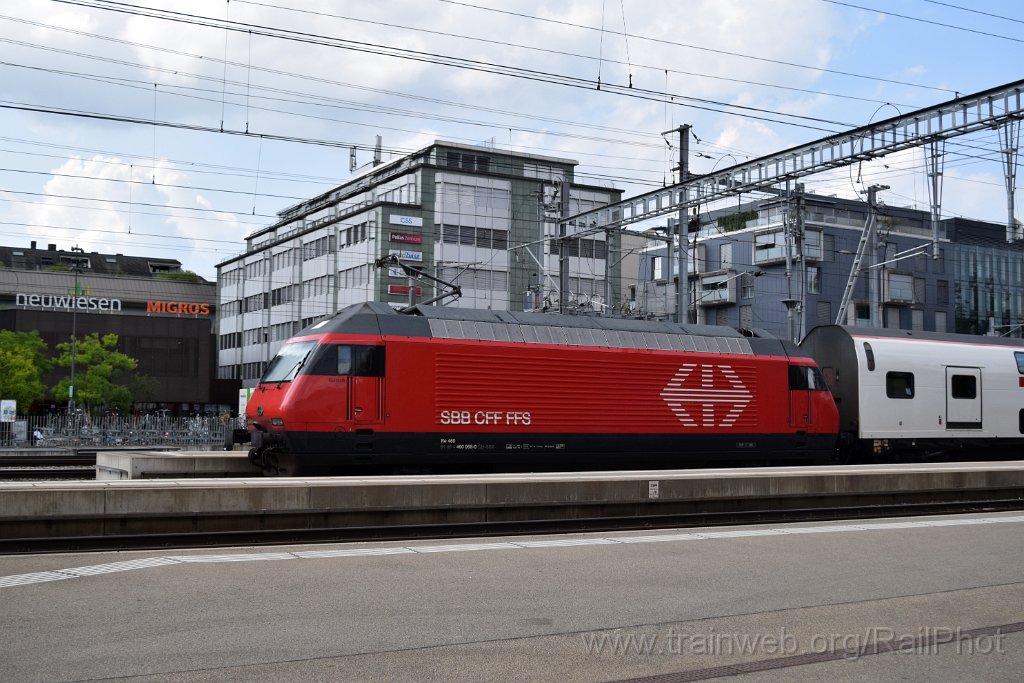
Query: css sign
x=407, y=220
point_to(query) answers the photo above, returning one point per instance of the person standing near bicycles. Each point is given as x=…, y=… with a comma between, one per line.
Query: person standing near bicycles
x=228, y=429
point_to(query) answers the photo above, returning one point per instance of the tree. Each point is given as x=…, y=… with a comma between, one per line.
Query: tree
x=181, y=276
x=99, y=372
x=23, y=362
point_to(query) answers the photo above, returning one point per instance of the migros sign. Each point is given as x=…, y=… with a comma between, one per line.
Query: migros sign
x=82, y=300
x=177, y=307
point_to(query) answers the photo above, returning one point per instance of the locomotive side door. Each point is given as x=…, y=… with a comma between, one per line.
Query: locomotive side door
x=799, y=397
x=366, y=399
x=963, y=398
x=366, y=384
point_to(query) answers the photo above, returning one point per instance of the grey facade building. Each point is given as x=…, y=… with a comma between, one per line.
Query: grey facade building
x=479, y=217
x=162, y=316
x=741, y=275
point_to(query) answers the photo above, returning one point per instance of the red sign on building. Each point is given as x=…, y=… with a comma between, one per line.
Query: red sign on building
x=406, y=238
x=403, y=290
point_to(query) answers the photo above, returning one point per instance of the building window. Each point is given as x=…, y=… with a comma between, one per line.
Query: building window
x=155, y=267
x=747, y=285
x=657, y=264
x=813, y=280
x=899, y=287
x=585, y=248
x=812, y=245
x=717, y=289
x=769, y=246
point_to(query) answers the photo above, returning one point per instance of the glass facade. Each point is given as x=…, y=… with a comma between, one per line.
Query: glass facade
x=989, y=290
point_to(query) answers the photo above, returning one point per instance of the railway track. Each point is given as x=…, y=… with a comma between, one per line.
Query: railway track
x=43, y=467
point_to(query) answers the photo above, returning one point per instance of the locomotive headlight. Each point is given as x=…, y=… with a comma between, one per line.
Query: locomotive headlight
x=277, y=421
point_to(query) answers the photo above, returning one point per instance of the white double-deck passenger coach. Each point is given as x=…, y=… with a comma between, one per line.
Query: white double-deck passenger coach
x=901, y=391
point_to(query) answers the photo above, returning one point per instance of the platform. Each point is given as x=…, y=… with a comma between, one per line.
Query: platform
x=118, y=465
x=389, y=506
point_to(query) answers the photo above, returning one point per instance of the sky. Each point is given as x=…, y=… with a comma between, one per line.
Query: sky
x=179, y=127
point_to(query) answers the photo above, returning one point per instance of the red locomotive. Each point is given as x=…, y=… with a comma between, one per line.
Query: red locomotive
x=448, y=388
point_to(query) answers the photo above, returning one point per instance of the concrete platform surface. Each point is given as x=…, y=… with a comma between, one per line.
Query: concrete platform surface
x=478, y=491
x=805, y=602
x=119, y=465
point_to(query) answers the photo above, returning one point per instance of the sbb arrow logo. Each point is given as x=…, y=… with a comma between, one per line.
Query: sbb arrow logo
x=707, y=395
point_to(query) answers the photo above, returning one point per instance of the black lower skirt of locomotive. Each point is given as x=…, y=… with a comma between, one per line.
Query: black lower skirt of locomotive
x=313, y=453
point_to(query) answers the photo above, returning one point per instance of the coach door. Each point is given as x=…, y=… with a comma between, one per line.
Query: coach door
x=963, y=398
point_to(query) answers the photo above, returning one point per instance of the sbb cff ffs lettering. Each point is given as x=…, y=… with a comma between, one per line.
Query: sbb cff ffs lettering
x=484, y=417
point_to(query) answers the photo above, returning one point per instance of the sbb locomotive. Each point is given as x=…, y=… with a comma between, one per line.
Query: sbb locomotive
x=476, y=390
x=444, y=388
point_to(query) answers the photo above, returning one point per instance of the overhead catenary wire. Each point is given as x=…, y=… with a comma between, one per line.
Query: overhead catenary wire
x=610, y=176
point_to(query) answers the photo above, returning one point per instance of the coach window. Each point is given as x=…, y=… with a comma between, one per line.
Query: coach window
x=1020, y=361
x=899, y=384
x=964, y=386
x=870, y=356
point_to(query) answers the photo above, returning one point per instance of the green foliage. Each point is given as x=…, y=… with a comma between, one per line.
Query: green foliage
x=736, y=221
x=23, y=362
x=100, y=371
x=181, y=276
x=143, y=389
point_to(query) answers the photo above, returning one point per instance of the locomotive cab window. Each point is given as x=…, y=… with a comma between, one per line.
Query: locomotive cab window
x=349, y=360
x=806, y=377
x=1020, y=361
x=288, y=361
x=964, y=386
x=899, y=384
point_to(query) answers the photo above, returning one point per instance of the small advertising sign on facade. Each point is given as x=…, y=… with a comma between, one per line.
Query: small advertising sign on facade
x=403, y=290
x=406, y=238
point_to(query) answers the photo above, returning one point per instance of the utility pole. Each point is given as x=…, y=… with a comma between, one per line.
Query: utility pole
x=1009, y=136
x=563, y=249
x=74, y=330
x=868, y=242
x=682, y=288
x=801, y=277
x=874, y=281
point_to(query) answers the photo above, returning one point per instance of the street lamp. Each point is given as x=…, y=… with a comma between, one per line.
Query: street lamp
x=76, y=269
